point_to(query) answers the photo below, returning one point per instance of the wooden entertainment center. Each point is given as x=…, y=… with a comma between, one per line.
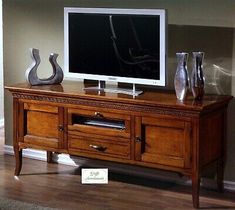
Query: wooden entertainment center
x=152, y=130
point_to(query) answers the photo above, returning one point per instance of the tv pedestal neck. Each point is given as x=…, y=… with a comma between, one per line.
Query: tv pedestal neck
x=113, y=89
x=151, y=130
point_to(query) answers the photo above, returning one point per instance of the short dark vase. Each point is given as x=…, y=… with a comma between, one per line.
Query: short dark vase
x=197, y=77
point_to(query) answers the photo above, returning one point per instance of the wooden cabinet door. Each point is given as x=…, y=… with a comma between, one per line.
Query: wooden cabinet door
x=163, y=141
x=41, y=125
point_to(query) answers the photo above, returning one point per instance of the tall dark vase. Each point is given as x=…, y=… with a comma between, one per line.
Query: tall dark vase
x=197, y=77
x=181, y=81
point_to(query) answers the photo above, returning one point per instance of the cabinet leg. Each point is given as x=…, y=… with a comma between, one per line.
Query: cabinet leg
x=49, y=157
x=18, y=159
x=195, y=190
x=220, y=175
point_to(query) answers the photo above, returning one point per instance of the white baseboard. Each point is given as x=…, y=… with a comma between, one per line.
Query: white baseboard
x=2, y=123
x=41, y=155
x=115, y=167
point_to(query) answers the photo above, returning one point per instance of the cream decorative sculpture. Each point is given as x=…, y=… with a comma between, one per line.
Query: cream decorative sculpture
x=31, y=72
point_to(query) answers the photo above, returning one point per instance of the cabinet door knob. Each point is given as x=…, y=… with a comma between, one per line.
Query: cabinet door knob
x=138, y=139
x=98, y=114
x=98, y=147
x=60, y=128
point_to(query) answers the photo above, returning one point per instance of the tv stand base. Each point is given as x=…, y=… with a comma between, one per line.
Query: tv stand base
x=111, y=89
x=115, y=90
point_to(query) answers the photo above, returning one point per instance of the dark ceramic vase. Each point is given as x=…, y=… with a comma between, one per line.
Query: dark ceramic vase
x=197, y=77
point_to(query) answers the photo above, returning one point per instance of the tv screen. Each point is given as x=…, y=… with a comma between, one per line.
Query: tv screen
x=121, y=45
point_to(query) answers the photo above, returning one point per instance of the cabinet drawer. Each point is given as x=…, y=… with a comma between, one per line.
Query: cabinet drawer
x=99, y=147
x=99, y=123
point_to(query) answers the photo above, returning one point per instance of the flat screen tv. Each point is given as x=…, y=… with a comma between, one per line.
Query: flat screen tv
x=121, y=45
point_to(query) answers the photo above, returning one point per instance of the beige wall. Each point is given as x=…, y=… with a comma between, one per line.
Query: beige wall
x=194, y=25
x=1, y=68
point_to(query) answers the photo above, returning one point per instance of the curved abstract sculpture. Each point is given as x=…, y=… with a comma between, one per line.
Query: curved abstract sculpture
x=31, y=72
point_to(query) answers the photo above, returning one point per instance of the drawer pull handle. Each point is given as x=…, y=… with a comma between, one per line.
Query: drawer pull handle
x=97, y=147
x=61, y=128
x=98, y=114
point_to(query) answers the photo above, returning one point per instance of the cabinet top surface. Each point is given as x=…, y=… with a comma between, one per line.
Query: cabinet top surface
x=74, y=89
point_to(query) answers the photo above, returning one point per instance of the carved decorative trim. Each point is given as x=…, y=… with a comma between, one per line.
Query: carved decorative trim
x=111, y=105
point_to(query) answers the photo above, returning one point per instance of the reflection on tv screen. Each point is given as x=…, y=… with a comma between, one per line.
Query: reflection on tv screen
x=115, y=45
